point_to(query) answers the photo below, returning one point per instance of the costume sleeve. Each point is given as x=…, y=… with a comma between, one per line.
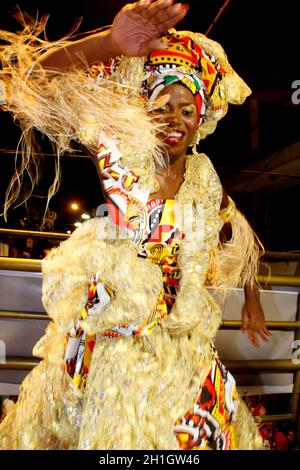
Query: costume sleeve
x=235, y=262
x=98, y=247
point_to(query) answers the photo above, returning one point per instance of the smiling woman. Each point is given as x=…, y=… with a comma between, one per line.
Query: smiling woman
x=180, y=112
x=181, y=116
x=129, y=361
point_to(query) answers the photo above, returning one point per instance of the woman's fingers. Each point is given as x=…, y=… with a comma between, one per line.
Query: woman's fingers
x=266, y=331
x=153, y=44
x=253, y=333
x=264, y=334
x=137, y=26
x=140, y=7
x=161, y=22
x=158, y=6
x=175, y=15
x=149, y=9
x=252, y=338
x=163, y=14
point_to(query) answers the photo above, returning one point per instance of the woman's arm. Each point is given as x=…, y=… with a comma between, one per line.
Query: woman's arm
x=253, y=318
x=135, y=31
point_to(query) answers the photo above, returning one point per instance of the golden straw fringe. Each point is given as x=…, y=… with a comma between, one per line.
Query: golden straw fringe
x=235, y=262
x=72, y=106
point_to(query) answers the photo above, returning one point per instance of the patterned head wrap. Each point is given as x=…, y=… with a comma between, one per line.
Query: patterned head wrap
x=183, y=61
x=201, y=65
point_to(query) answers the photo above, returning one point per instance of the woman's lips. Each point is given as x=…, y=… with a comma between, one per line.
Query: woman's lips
x=174, y=138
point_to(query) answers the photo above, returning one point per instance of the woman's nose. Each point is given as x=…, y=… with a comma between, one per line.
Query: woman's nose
x=173, y=118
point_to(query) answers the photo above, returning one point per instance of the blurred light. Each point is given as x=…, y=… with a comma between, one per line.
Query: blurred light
x=85, y=216
x=77, y=224
x=74, y=206
x=68, y=231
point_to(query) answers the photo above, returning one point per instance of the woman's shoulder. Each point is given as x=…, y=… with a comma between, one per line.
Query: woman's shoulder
x=199, y=165
x=203, y=178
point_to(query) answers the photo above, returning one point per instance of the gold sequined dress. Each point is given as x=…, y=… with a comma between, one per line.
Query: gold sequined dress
x=136, y=369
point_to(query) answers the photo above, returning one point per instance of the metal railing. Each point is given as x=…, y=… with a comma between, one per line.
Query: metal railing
x=35, y=265
x=20, y=264
x=7, y=232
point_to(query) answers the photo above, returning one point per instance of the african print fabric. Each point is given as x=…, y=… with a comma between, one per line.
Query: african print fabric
x=183, y=61
x=212, y=423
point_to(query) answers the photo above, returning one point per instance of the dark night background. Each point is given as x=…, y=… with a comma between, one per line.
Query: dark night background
x=254, y=148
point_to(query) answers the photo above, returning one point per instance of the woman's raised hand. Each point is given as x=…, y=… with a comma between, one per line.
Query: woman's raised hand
x=135, y=31
x=137, y=27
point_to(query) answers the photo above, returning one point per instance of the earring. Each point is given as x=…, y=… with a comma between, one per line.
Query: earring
x=195, y=142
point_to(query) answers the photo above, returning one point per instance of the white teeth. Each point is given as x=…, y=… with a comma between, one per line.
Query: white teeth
x=175, y=135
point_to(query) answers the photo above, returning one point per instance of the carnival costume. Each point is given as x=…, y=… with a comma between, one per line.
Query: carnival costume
x=128, y=361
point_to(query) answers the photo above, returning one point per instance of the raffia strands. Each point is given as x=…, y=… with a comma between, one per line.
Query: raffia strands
x=248, y=437
x=235, y=263
x=48, y=413
x=28, y=165
x=47, y=103
x=95, y=247
x=70, y=105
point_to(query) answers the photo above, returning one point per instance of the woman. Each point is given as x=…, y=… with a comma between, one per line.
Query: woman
x=136, y=369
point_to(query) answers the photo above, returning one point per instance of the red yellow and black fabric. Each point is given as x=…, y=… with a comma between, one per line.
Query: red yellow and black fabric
x=184, y=61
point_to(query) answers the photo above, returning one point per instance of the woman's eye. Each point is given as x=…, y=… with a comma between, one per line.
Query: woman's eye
x=188, y=112
x=162, y=110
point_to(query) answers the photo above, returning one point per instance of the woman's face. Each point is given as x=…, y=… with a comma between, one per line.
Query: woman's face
x=180, y=115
